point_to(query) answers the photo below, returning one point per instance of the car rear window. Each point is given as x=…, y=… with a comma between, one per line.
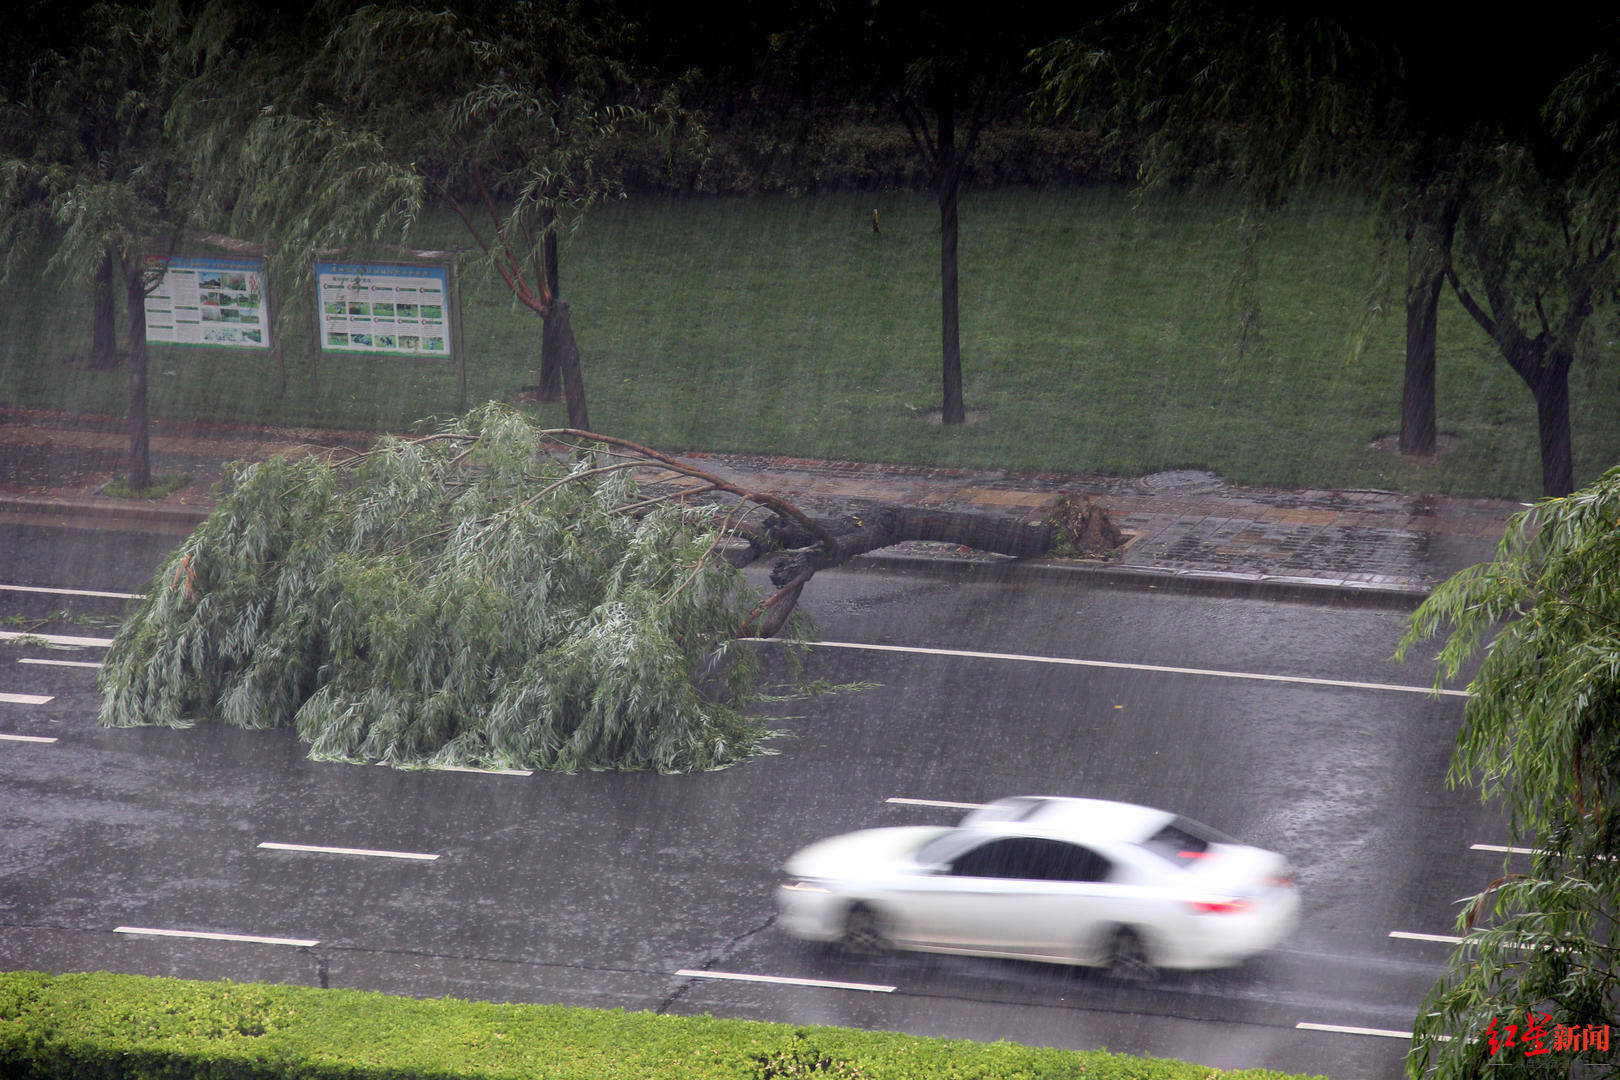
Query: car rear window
x=1183, y=841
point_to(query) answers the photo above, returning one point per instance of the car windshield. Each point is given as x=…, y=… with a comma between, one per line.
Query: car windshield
x=942, y=848
x=1184, y=841
x=1014, y=809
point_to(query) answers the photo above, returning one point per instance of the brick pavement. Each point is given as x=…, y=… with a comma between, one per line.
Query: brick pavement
x=1183, y=528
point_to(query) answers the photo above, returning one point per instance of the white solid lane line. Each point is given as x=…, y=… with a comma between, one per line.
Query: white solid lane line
x=375, y=852
x=73, y=592
x=784, y=981
x=1117, y=665
x=26, y=699
x=58, y=663
x=253, y=939
x=937, y=802
x=27, y=738
x=59, y=639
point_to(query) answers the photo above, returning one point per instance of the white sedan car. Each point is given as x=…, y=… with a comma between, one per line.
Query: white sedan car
x=1068, y=881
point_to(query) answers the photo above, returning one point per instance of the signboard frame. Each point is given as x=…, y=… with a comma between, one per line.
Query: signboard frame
x=375, y=308
x=210, y=302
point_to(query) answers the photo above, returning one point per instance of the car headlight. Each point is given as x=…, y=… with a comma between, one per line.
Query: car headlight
x=805, y=886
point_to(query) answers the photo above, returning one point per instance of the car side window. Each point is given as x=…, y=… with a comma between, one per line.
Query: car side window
x=1031, y=858
x=1073, y=862
x=994, y=859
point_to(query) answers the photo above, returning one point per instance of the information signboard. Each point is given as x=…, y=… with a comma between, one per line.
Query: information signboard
x=382, y=308
x=208, y=301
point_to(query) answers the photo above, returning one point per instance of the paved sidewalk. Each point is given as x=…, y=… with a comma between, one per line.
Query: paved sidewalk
x=1187, y=530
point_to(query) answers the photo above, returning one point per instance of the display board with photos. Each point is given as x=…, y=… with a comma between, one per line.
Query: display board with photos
x=208, y=301
x=401, y=310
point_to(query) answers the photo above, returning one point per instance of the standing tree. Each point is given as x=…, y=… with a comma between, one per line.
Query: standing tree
x=1541, y=733
x=1538, y=238
x=946, y=72
x=1269, y=97
x=90, y=175
x=498, y=112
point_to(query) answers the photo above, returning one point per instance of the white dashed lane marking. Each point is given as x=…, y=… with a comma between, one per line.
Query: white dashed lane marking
x=59, y=639
x=936, y=802
x=782, y=980
x=1344, y=1029
x=207, y=935
x=316, y=849
x=44, y=590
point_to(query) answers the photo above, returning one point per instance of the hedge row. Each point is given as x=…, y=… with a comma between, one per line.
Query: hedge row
x=124, y=1027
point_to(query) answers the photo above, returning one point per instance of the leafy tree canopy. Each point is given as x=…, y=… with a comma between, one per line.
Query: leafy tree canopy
x=461, y=598
x=1542, y=733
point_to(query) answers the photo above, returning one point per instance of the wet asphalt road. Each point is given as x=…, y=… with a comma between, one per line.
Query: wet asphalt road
x=596, y=889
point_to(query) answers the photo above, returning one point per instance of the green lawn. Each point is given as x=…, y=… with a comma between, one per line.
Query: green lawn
x=1096, y=339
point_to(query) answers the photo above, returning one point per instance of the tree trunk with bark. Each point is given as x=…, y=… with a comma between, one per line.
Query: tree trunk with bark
x=801, y=544
x=550, y=349
x=140, y=458
x=1428, y=253
x=1081, y=528
x=568, y=364
x=948, y=180
x=1428, y=250
x=104, y=331
x=1542, y=361
x=1549, y=385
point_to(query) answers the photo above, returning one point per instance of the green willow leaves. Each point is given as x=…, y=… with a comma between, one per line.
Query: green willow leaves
x=1541, y=733
x=461, y=598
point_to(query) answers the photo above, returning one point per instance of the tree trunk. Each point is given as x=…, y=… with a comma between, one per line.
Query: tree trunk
x=1418, y=394
x=885, y=526
x=104, y=331
x=568, y=361
x=550, y=350
x=1428, y=252
x=802, y=552
x=948, y=182
x=1549, y=383
x=140, y=458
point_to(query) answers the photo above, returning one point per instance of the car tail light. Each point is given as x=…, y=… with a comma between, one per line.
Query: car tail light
x=1225, y=906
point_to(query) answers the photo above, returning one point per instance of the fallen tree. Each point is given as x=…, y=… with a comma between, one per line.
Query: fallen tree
x=496, y=595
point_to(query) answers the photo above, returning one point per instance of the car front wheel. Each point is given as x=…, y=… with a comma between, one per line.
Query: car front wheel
x=864, y=933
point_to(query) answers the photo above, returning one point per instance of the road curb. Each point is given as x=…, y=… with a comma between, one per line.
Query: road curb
x=103, y=509
x=1240, y=586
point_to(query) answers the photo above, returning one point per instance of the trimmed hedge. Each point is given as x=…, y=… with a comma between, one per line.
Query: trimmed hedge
x=129, y=1027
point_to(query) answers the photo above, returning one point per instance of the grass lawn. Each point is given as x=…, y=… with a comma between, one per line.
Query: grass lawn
x=1095, y=338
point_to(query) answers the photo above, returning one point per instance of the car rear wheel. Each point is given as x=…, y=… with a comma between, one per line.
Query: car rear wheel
x=1128, y=957
x=864, y=933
